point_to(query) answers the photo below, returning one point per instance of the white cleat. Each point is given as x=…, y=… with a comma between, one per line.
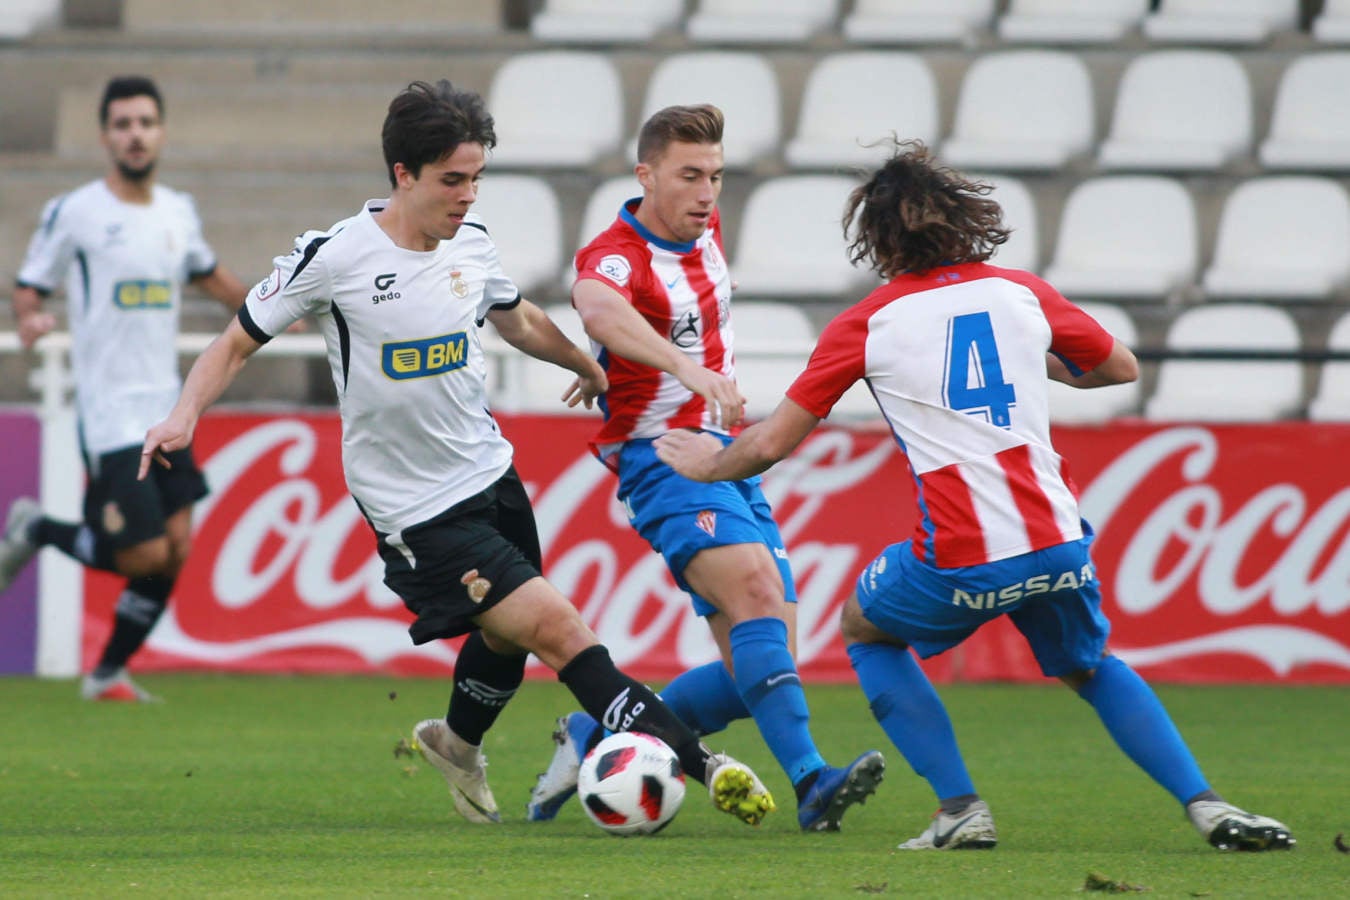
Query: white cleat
x=556, y=784
x=116, y=688
x=1229, y=828
x=16, y=547
x=468, y=783
x=735, y=789
x=970, y=829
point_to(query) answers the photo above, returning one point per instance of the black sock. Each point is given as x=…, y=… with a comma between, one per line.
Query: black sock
x=803, y=787
x=138, y=609
x=953, y=805
x=620, y=703
x=484, y=682
x=1205, y=795
x=76, y=540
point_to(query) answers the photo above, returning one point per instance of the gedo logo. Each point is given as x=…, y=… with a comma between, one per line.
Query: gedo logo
x=142, y=294
x=384, y=283
x=427, y=356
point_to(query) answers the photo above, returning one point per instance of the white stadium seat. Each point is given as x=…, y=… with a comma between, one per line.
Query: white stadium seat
x=540, y=122
x=1070, y=21
x=1229, y=391
x=773, y=342
x=1284, y=237
x=760, y=21
x=1220, y=21
x=1333, y=25
x=1181, y=110
x=742, y=84
x=523, y=218
x=604, y=21
x=541, y=384
x=791, y=243
x=20, y=18
x=1126, y=237
x=1093, y=406
x=1310, y=122
x=1332, y=402
x=917, y=21
x=852, y=100
x=1022, y=109
x=602, y=207
x=1022, y=249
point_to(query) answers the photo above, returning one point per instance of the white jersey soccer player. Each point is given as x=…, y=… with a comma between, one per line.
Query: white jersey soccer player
x=413, y=443
x=123, y=266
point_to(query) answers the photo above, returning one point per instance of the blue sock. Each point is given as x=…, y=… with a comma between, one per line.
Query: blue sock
x=767, y=680
x=705, y=698
x=912, y=715
x=1136, y=719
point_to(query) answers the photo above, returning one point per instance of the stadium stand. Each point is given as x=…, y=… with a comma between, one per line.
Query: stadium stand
x=525, y=221
x=1022, y=110
x=918, y=21
x=773, y=341
x=1022, y=250
x=790, y=243
x=842, y=125
x=20, y=18
x=1222, y=390
x=1179, y=110
x=540, y=124
x=1332, y=400
x=1310, y=122
x=601, y=208
x=1126, y=237
x=1333, y=25
x=1070, y=21
x=604, y=21
x=1282, y=237
x=542, y=384
x=1072, y=406
x=760, y=21
x=1233, y=22
x=742, y=83
x=351, y=17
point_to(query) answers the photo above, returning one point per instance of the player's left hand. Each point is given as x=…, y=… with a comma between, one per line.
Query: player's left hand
x=688, y=452
x=163, y=438
x=585, y=388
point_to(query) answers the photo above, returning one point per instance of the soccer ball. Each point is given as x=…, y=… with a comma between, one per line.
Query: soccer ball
x=631, y=783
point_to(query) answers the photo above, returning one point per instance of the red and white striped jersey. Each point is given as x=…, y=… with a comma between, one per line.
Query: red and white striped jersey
x=684, y=291
x=956, y=361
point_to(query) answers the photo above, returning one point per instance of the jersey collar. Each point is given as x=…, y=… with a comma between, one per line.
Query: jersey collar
x=673, y=246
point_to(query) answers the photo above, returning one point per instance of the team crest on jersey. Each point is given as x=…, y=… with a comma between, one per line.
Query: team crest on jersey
x=113, y=520
x=458, y=286
x=616, y=268
x=707, y=520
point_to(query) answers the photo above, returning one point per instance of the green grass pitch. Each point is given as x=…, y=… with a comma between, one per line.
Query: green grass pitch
x=274, y=786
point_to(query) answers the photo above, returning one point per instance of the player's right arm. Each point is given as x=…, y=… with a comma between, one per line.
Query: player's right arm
x=609, y=319
x=32, y=321
x=213, y=371
x=50, y=253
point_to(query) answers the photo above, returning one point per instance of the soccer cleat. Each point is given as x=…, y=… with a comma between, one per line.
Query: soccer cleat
x=970, y=829
x=1229, y=828
x=835, y=790
x=16, y=546
x=468, y=785
x=737, y=790
x=556, y=784
x=116, y=688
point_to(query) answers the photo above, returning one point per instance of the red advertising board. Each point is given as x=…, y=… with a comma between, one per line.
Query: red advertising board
x=1224, y=552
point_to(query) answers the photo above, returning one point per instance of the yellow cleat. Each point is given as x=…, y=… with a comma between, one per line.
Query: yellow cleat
x=735, y=789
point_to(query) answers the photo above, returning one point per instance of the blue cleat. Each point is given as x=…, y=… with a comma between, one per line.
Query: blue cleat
x=575, y=733
x=836, y=790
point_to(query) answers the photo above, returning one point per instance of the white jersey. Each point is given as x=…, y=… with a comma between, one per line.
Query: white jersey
x=123, y=265
x=401, y=327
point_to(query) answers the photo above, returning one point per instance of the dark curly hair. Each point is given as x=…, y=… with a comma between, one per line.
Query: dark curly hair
x=912, y=215
x=426, y=122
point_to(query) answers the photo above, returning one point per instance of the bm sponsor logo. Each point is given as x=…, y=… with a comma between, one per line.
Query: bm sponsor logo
x=428, y=356
x=143, y=294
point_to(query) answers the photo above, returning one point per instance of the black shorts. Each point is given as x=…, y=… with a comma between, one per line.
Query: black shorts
x=492, y=531
x=125, y=512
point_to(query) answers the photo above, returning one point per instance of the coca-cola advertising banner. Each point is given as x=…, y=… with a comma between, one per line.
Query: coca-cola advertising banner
x=1224, y=553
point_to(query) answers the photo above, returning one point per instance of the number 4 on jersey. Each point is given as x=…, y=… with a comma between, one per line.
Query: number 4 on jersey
x=974, y=383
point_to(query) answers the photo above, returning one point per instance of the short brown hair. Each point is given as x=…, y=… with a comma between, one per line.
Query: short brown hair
x=914, y=215
x=700, y=124
x=426, y=122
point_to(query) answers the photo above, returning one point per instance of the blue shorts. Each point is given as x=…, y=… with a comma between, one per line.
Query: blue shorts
x=679, y=517
x=1051, y=595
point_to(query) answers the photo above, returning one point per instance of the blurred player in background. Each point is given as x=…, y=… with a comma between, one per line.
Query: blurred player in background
x=399, y=292
x=123, y=245
x=654, y=291
x=956, y=353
